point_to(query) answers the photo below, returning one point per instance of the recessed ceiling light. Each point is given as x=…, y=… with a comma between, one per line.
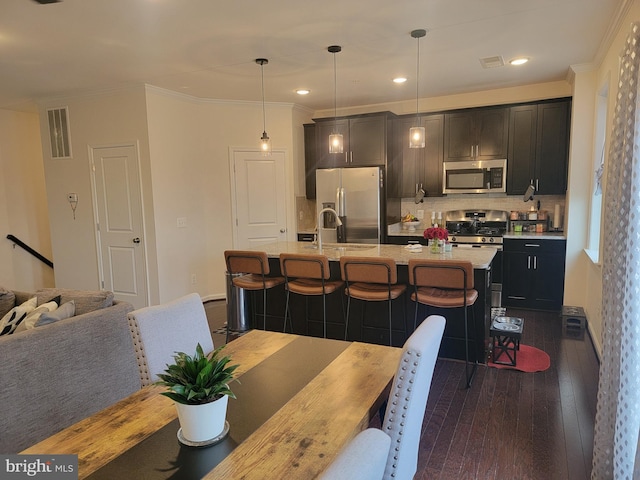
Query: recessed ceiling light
x=519, y=61
x=399, y=80
x=303, y=91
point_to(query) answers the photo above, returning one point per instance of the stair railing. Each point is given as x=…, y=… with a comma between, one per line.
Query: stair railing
x=20, y=243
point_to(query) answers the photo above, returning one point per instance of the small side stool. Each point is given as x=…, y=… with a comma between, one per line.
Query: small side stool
x=506, y=333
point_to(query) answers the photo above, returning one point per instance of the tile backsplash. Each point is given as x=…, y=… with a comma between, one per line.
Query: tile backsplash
x=483, y=202
x=305, y=214
x=305, y=209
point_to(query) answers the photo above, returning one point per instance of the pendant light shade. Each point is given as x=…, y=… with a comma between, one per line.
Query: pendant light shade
x=336, y=142
x=417, y=134
x=265, y=142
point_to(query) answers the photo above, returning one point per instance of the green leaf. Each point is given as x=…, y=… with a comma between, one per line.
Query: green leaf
x=199, y=378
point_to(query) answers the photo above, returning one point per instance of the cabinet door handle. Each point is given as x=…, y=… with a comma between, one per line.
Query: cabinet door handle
x=535, y=262
x=531, y=245
x=537, y=188
x=471, y=151
x=346, y=157
x=528, y=262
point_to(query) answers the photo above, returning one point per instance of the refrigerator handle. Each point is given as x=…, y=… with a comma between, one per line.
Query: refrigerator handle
x=341, y=207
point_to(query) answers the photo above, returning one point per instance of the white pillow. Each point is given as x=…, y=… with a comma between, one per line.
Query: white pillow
x=16, y=315
x=32, y=318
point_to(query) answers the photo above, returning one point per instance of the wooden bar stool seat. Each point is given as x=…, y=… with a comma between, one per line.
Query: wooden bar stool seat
x=252, y=273
x=371, y=280
x=446, y=284
x=308, y=275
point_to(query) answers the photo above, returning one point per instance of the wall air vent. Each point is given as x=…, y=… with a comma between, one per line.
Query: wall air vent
x=492, y=62
x=59, y=132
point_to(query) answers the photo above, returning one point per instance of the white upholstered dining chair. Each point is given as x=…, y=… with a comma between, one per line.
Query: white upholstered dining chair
x=364, y=458
x=159, y=331
x=408, y=398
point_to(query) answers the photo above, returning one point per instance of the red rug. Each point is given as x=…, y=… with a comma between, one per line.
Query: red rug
x=528, y=359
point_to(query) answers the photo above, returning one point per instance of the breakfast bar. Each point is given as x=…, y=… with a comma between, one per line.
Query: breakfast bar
x=369, y=323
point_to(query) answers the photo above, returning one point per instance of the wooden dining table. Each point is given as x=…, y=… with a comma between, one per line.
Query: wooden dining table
x=299, y=401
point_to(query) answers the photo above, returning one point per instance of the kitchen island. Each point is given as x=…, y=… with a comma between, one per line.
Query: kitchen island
x=371, y=325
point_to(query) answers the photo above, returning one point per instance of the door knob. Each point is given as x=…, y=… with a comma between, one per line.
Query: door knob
x=136, y=240
x=282, y=230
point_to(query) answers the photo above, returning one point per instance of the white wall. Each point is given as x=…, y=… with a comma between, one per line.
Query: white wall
x=606, y=72
x=23, y=204
x=95, y=120
x=189, y=143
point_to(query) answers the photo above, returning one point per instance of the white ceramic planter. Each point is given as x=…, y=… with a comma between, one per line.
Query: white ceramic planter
x=204, y=422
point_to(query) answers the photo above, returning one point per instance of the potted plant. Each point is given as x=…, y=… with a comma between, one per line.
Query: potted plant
x=199, y=386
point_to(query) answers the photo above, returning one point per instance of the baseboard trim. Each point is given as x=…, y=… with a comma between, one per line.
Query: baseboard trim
x=217, y=296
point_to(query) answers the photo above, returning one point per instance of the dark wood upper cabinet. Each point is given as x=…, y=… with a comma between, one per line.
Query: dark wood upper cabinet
x=533, y=137
x=310, y=159
x=476, y=134
x=420, y=166
x=365, y=141
x=539, y=147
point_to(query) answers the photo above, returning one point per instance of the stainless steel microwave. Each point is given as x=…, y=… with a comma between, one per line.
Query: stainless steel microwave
x=475, y=176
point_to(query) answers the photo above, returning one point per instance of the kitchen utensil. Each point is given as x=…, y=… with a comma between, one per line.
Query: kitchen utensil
x=528, y=194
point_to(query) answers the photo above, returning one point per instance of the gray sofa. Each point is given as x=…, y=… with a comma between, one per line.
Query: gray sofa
x=57, y=374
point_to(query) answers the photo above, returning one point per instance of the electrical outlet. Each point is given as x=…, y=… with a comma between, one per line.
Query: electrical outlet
x=194, y=279
x=181, y=222
x=420, y=214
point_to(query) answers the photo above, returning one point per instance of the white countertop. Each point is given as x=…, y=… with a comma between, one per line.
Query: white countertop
x=480, y=258
x=534, y=235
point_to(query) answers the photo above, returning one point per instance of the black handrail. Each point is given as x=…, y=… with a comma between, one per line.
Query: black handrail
x=39, y=256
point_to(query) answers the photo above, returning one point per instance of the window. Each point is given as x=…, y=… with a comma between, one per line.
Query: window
x=597, y=175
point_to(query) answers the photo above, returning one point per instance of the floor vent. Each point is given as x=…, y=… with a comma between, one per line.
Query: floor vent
x=59, y=132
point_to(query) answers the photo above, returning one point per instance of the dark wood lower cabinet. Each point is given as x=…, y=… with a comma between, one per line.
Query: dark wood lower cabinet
x=533, y=274
x=368, y=321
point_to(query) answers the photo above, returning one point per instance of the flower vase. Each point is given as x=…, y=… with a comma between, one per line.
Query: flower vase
x=433, y=245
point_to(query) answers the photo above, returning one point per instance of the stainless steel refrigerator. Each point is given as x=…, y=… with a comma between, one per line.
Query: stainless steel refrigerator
x=356, y=194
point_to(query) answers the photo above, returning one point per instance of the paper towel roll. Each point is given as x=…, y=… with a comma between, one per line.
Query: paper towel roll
x=556, y=216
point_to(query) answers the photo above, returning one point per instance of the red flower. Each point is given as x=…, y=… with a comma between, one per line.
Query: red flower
x=437, y=233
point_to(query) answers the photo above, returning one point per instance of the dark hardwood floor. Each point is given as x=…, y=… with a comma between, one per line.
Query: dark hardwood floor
x=509, y=424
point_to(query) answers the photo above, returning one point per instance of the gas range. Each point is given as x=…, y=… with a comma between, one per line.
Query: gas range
x=475, y=228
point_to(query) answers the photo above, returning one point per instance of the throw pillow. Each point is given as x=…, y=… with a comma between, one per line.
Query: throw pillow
x=32, y=317
x=7, y=301
x=86, y=300
x=66, y=310
x=16, y=315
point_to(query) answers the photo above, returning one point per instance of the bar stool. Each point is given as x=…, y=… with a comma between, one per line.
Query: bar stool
x=253, y=268
x=307, y=275
x=371, y=280
x=446, y=284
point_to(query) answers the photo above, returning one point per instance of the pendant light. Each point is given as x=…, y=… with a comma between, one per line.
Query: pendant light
x=416, y=134
x=265, y=143
x=336, y=142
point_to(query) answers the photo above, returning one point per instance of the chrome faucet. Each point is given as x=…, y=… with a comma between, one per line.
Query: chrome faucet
x=338, y=223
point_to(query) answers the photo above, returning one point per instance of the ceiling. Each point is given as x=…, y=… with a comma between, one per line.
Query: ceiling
x=207, y=48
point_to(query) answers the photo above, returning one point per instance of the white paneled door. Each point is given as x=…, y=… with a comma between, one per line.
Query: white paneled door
x=259, y=206
x=119, y=223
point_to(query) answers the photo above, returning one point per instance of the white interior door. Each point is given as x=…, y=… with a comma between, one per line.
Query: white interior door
x=259, y=193
x=119, y=223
